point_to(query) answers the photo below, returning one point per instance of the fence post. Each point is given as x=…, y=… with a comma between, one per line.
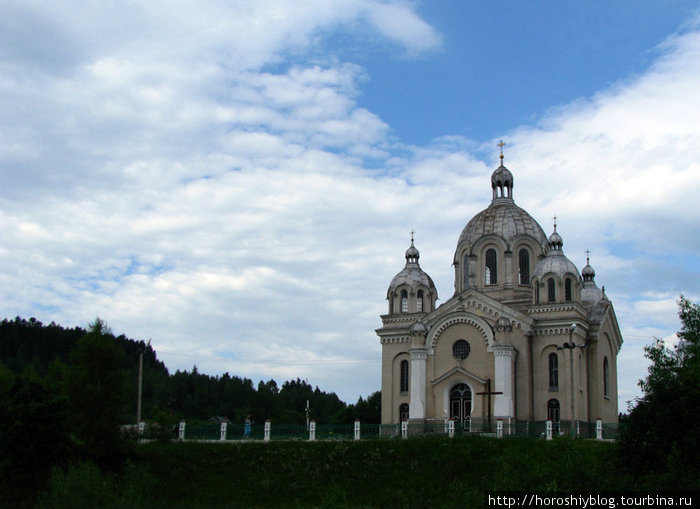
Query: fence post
x=142, y=427
x=599, y=428
x=312, y=430
x=266, y=436
x=357, y=429
x=549, y=429
x=223, y=431
x=451, y=428
x=499, y=428
x=404, y=429
x=181, y=431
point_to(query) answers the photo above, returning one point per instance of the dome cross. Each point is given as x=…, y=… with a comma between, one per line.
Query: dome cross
x=501, y=144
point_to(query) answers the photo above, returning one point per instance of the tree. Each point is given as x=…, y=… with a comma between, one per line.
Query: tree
x=34, y=436
x=663, y=430
x=95, y=388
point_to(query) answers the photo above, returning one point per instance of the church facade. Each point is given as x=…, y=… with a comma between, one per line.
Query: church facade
x=525, y=337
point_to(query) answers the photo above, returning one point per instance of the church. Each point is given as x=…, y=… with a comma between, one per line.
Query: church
x=525, y=337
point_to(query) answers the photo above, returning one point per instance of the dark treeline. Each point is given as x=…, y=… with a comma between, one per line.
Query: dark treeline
x=30, y=348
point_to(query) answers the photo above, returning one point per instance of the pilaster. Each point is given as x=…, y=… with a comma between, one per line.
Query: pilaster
x=503, y=358
x=416, y=407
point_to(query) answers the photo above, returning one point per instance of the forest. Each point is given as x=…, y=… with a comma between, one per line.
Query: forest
x=28, y=348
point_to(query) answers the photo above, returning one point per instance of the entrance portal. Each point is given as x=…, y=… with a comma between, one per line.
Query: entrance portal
x=461, y=403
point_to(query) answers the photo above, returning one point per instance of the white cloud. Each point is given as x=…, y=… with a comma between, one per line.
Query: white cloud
x=188, y=174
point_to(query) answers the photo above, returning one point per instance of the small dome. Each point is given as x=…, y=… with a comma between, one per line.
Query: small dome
x=590, y=293
x=588, y=273
x=555, y=241
x=412, y=275
x=502, y=177
x=555, y=262
x=418, y=329
x=412, y=254
x=503, y=324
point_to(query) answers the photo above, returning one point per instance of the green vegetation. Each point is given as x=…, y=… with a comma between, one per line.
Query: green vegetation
x=663, y=429
x=418, y=472
x=49, y=351
x=64, y=393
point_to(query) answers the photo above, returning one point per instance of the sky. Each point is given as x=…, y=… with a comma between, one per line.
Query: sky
x=237, y=180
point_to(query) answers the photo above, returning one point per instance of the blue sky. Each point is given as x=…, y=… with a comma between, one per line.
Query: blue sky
x=503, y=64
x=237, y=180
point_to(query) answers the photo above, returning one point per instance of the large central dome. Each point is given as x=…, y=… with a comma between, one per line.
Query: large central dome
x=502, y=217
x=499, y=247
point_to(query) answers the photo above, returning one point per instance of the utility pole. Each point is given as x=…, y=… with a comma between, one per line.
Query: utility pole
x=307, y=415
x=142, y=349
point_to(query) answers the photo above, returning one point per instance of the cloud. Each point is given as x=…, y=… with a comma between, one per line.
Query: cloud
x=205, y=175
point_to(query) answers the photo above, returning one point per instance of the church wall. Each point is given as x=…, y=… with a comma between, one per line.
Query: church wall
x=603, y=406
x=479, y=363
x=542, y=391
x=392, y=355
x=523, y=388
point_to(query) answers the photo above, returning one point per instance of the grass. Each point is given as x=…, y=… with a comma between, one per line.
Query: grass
x=418, y=472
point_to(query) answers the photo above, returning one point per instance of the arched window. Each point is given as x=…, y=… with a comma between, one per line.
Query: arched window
x=404, y=376
x=567, y=289
x=403, y=412
x=606, y=377
x=537, y=292
x=419, y=302
x=553, y=372
x=404, y=301
x=465, y=270
x=491, y=271
x=461, y=349
x=550, y=290
x=553, y=410
x=524, y=266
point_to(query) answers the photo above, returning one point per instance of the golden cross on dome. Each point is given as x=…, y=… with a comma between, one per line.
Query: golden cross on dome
x=501, y=144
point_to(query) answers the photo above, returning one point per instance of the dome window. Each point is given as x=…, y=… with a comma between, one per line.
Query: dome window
x=419, y=302
x=550, y=290
x=491, y=271
x=567, y=289
x=524, y=266
x=461, y=349
x=404, y=301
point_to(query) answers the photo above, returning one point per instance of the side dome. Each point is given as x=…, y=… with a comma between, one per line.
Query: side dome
x=412, y=290
x=555, y=262
x=590, y=293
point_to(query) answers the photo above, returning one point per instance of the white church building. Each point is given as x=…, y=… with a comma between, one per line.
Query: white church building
x=525, y=337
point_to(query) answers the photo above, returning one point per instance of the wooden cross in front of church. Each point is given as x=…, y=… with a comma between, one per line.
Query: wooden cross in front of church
x=488, y=393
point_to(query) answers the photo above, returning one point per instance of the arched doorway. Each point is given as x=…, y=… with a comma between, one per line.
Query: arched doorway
x=461, y=403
